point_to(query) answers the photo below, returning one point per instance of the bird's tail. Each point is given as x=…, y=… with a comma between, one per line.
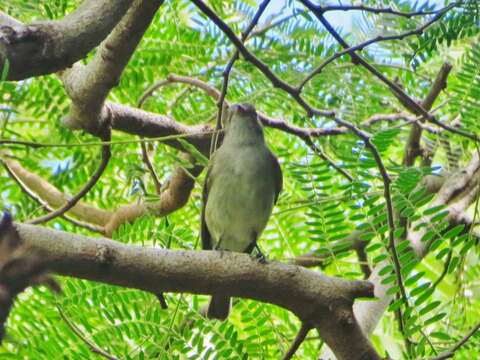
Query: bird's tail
x=219, y=307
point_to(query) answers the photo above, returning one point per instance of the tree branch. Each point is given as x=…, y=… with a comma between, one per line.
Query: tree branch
x=49, y=46
x=324, y=302
x=105, y=158
x=413, y=148
x=94, y=348
x=44, y=203
x=450, y=353
x=387, y=10
x=173, y=197
x=458, y=192
x=406, y=100
x=144, y=150
x=302, y=334
x=276, y=82
x=88, y=85
x=349, y=50
x=53, y=196
x=228, y=69
x=19, y=268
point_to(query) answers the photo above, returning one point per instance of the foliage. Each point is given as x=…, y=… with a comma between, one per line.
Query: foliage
x=318, y=208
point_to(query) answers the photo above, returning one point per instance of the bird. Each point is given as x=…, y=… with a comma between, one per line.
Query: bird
x=243, y=182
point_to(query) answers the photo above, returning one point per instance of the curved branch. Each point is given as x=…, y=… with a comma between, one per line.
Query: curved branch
x=266, y=120
x=53, y=196
x=86, y=188
x=173, y=197
x=91, y=345
x=49, y=46
x=325, y=302
x=45, y=204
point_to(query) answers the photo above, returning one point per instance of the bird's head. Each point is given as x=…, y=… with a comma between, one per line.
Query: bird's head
x=242, y=117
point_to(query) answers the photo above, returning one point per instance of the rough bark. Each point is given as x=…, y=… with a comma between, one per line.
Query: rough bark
x=49, y=46
x=321, y=301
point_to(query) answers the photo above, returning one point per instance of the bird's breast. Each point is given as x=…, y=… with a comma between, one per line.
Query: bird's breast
x=241, y=198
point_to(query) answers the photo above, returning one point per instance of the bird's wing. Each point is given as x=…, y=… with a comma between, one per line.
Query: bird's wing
x=278, y=176
x=205, y=233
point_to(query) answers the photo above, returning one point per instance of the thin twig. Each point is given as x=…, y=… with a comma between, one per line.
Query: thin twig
x=302, y=334
x=318, y=151
x=90, y=183
x=93, y=347
x=276, y=82
x=406, y=100
x=143, y=147
x=36, y=145
x=448, y=354
x=388, y=10
x=228, y=69
x=349, y=50
x=151, y=169
x=389, y=204
x=274, y=24
x=444, y=271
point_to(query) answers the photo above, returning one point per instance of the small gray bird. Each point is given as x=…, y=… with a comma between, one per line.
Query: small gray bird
x=243, y=182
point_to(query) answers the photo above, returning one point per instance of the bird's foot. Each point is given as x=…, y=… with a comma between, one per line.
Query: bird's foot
x=220, y=250
x=259, y=256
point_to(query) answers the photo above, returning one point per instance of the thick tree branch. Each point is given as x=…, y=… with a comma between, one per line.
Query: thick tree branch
x=46, y=47
x=19, y=268
x=145, y=124
x=88, y=85
x=324, y=302
x=7, y=20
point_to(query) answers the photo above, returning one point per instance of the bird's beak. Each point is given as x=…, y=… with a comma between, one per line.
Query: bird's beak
x=243, y=109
